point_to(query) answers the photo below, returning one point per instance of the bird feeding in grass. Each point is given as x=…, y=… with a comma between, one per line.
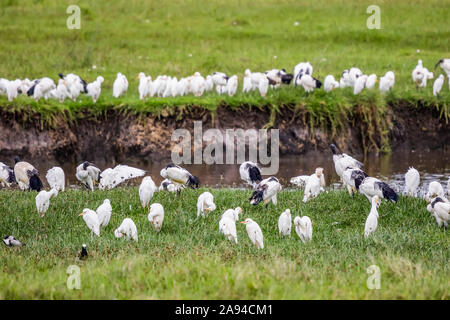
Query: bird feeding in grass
x=250, y=173
x=87, y=173
x=56, y=178
x=254, y=233
x=83, y=254
x=27, y=176
x=43, y=200
x=120, y=85
x=412, y=181
x=10, y=241
x=313, y=185
x=371, y=187
x=127, y=229
x=440, y=209
x=303, y=228
x=146, y=191
x=227, y=223
x=104, y=212
x=179, y=176
x=7, y=176
x=110, y=178
x=156, y=216
x=437, y=86
x=90, y=217
x=435, y=189
x=285, y=223
x=372, y=219
x=205, y=204
x=265, y=191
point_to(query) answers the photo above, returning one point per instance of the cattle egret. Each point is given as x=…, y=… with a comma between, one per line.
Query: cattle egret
x=205, y=204
x=43, y=200
x=263, y=86
x=127, y=229
x=144, y=85
x=303, y=228
x=104, y=213
x=56, y=178
x=12, y=89
x=437, y=86
x=146, y=191
x=250, y=173
x=227, y=223
x=371, y=81
x=353, y=75
x=110, y=178
x=156, y=216
x=371, y=187
x=285, y=223
x=412, y=180
x=198, y=84
x=232, y=85
x=7, y=176
x=120, y=85
x=254, y=233
x=372, y=219
x=265, y=191
x=95, y=88
x=313, y=185
x=435, y=189
x=247, y=83
x=88, y=174
x=90, y=217
x=330, y=83
x=27, y=176
x=360, y=84
x=387, y=82
x=179, y=176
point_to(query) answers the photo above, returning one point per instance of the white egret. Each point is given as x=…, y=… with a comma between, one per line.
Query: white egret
x=156, y=216
x=90, y=217
x=303, y=228
x=387, y=82
x=205, y=204
x=56, y=178
x=120, y=85
x=330, y=83
x=313, y=185
x=95, y=88
x=254, y=233
x=110, y=178
x=232, y=85
x=146, y=191
x=435, y=189
x=263, y=86
x=437, y=86
x=285, y=223
x=412, y=181
x=43, y=200
x=127, y=229
x=372, y=219
x=371, y=81
x=104, y=212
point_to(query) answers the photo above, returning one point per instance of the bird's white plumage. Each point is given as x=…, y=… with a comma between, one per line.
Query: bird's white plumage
x=372, y=219
x=205, y=204
x=120, y=85
x=156, y=216
x=285, y=223
x=95, y=88
x=146, y=191
x=254, y=233
x=87, y=174
x=387, y=81
x=412, y=181
x=56, y=178
x=6, y=175
x=127, y=229
x=437, y=85
x=265, y=191
x=263, y=86
x=104, y=212
x=90, y=217
x=110, y=178
x=43, y=200
x=303, y=228
x=314, y=185
x=249, y=170
x=330, y=83
x=371, y=81
x=227, y=223
x=435, y=189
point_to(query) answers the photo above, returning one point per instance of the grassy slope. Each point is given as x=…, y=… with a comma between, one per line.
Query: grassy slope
x=190, y=259
x=228, y=36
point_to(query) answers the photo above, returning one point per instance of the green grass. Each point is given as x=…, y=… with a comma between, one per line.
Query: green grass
x=190, y=259
x=227, y=36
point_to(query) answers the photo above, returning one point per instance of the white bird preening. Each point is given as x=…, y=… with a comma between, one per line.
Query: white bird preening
x=110, y=178
x=440, y=209
x=435, y=189
x=7, y=176
x=90, y=217
x=412, y=181
x=263, y=86
x=372, y=219
x=156, y=216
x=88, y=174
x=437, y=86
x=56, y=178
x=43, y=200
x=127, y=229
x=265, y=191
x=104, y=212
x=146, y=191
x=179, y=176
x=95, y=88
x=254, y=233
x=285, y=223
x=371, y=81
x=120, y=85
x=303, y=228
x=250, y=173
x=329, y=84
x=205, y=204
x=387, y=82
x=315, y=182
x=27, y=176
x=227, y=223
x=144, y=85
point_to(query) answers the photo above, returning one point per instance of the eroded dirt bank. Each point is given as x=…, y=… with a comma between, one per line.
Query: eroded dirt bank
x=116, y=136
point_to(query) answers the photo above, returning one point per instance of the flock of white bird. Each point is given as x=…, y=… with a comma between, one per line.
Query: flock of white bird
x=70, y=86
x=264, y=190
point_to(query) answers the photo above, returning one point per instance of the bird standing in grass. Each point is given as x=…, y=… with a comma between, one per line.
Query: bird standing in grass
x=313, y=185
x=43, y=200
x=120, y=85
x=387, y=82
x=90, y=217
x=127, y=229
x=371, y=81
x=285, y=223
x=232, y=85
x=263, y=86
x=372, y=219
x=254, y=233
x=227, y=223
x=303, y=228
x=56, y=178
x=435, y=189
x=360, y=84
x=412, y=181
x=27, y=176
x=205, y=204
x=156, y=216
x=146, y=191
x=265, y=191
x=95, y=88
x=342, y=161
x=88, y=174
x=104, y=212
x=437, y=86
x=440, y=209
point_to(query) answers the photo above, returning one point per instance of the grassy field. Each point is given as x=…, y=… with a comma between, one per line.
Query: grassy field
x=182, y=37
x=190, y=259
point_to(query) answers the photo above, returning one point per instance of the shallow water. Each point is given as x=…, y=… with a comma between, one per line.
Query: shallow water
x=432, y=165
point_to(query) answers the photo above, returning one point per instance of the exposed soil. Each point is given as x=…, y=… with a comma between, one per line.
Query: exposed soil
x=118, y=137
